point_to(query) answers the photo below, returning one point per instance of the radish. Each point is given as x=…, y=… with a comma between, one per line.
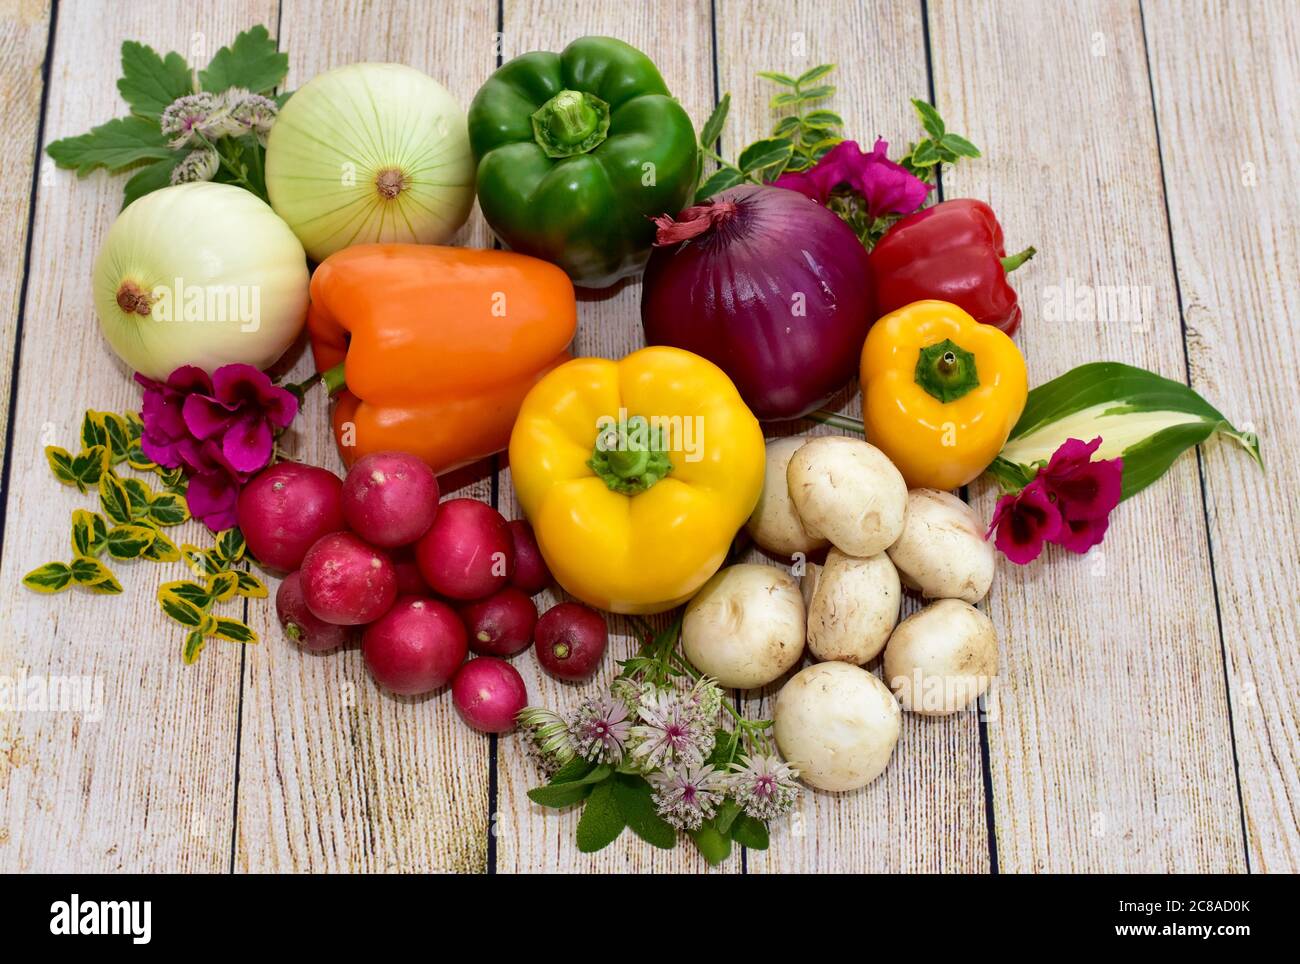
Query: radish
x=390, y=498
x=286, y=509
x=531, y=574
x=300, y=624
x=347, y=582
x=571, y=640
x=489, y=693
x=467, y=552
x=415, y=647
x=409, y=580
x=502, y=624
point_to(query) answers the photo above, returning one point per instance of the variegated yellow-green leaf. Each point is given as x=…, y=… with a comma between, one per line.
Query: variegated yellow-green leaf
x=173, y=479
x=60, y=460
x=118, y=436
x=129, y=541
x=136, y=458
x=168, y=509
x=250, y=586
x=94, y=575
x=194, y=643
x=92, y=430
x=179, y=608
x=89, y=466
x=222, y=585
x=50, y=578
x=233, y=630
x=113, y=499
x=1145, y=419
x=134, y=425
x=230, y=545
x=89, y=533
x=190, y=592
x=140, y=495
x=161, y=549
x=202, y=562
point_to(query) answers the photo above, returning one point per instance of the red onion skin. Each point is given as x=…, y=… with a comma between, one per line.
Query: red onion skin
x=729, y=294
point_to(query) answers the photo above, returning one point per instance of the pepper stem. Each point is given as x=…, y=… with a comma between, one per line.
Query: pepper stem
x=1013, y=261
x=629, y=457
x=571, y=122
x=946, y=371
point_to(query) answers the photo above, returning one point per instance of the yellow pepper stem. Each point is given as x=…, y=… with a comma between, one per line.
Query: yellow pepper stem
x=629, y=457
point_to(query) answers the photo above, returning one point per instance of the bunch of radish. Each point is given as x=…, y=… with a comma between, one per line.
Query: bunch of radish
x=425, y=582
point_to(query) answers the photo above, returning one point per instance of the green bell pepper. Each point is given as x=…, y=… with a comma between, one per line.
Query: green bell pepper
x=576, y=152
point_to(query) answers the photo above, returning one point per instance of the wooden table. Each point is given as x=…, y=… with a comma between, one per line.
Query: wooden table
x=1145, y=718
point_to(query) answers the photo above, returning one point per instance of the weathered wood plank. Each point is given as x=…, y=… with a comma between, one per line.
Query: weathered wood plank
x=336, y=774
x=1110, y=747
x=145, y=784
x=926, y=812
x=1235, y=71
x=676, y=35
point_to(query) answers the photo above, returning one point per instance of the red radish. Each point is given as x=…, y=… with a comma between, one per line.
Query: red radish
x=415, y=647
x=531, y=574
x=409, y=580
x=286, y=509
x=467, y=552
x=489, y=693
x=300, y=624
x=571, y=639
x=502, y=624
x=347, y=582
x=390, y=498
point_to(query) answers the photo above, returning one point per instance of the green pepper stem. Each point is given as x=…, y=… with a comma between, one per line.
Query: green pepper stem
x=630, y=458
x=1013, y=261
x=571, y=122
x=333, y=379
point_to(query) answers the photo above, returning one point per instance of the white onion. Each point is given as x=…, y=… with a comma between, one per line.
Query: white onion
x=370, y=152
x=199, y=274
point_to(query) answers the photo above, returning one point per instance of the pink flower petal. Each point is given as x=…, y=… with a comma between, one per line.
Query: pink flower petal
x=248, y=444
x=1080, y=535
x=212, y=499
x=206, y=417
x=1025, y=522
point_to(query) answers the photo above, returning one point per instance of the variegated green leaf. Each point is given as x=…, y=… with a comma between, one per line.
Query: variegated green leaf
x=117, y=434
x=203, y=562
x=60, y=460
x=168, y=509
x=250, y=586
x=184, y=589
x=161, y=549
x=230, y=545
x=140, y=496
x=89, y=533
x=92, y=430
x=179, y=608
x=50, y=578
x=233, y=630
x=94, y=575
x=129, y=541
x=90, y=465
x=222, y=585
x=113, y=499
x=194, y=643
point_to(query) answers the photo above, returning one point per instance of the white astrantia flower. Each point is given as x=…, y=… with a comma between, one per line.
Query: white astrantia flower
x=686, y=796
x=198, y=165
x=599, y=729
x=673, y=730
x=764, y=786
x=546, y=738
x=248, y=113
x=185, y=118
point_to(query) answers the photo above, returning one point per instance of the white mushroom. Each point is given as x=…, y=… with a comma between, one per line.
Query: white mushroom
x=746, y=626
x=941, y=659
x=854, y=607
x=775, y=525
x=847, y=491
x=942, y=551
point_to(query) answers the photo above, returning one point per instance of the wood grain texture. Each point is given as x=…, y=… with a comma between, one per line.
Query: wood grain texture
x=926, y=813
x=1110, y=748
x=676, y=36
x=1234, y=215
x=336, y=774
x=148, y=784
x=24, y=35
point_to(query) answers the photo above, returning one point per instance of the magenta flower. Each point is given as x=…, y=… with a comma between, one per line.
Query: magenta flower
x=220, y=430
x=887, y=188
x=1025, y=522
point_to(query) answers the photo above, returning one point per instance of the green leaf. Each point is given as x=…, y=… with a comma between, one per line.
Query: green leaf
x=203, y=562
x=89, y=533
x=764, y=154
x=601, y=822
x=786, y=125
x=168, y=509
x=785, y=80
x=117, y=436
x=93, y=430
x=150, y=178
x=163, y=549
x=129, y=541
x=50, y=578
x=230, y=545
x=633, y=796
x=222, y=585
x=726, y=815
x=150, y=82
x=194, y=643
x=814, y=74
x=560, y=795
x=90, y=465
x=94, y=575
x=114, y=499
x=60, y=460
x=139, y=496
x=788, y=99
x=136, y=458
x=930, y=118
x=249, y=586
x=750, y=833
x=719, y=181
x=823, y=119
x=252, y=61
x=187, y=591
x=117, y=145
x=1145, y=418
x=573, y=771
x=234, y=630
x=712, y=128
x=815, y=93
x=714, y=846
x=176, y=606
x=959, y=145
x=925, y=154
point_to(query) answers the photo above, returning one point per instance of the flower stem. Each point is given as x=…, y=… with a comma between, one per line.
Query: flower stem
x=836, y=420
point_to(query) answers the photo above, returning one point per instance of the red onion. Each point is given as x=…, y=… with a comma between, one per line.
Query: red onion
x=771, y=287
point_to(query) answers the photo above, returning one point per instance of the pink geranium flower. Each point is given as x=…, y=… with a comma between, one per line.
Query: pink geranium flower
x=886, y=187
x=1068, y=502
x=219, y=430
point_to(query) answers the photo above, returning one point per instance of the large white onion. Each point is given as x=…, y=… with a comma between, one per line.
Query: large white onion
x=370, y=152
x=200, y=274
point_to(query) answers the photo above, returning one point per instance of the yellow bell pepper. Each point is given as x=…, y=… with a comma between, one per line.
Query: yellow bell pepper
x=636, y=475
x=940, y=392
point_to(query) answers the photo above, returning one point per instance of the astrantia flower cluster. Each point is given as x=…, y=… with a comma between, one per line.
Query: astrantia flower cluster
x=221, y=430
x=1068, y=503
x=195, y=122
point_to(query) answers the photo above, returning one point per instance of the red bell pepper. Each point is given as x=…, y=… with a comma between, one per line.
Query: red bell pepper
x=951, y=252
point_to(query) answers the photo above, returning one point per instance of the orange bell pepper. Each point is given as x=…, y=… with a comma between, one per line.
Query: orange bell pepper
x=440, y=345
